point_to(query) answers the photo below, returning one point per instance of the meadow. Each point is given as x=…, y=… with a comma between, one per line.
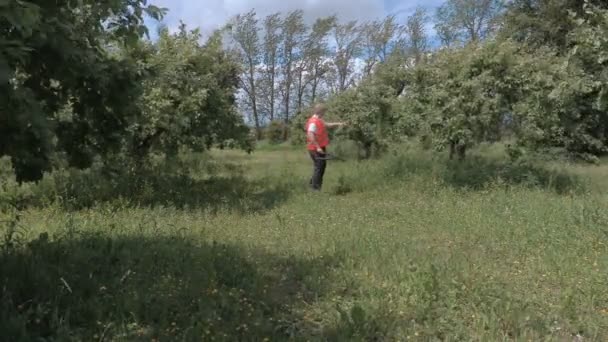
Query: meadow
x=231, y=246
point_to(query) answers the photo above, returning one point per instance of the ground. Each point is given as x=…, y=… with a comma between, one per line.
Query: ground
x=407, y=247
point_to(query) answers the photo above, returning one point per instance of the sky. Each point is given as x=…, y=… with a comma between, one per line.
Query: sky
x=211, y=14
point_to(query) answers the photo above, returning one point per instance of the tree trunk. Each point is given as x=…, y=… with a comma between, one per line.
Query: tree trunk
x=367, y=150
x=272, y=94
x=462, y=151
x=301, y=88
x=286, y=116
x=452, y=150
x=315, y=84
x=300, y=101
x=253, y=97
x=458, y=149
x=287, y=99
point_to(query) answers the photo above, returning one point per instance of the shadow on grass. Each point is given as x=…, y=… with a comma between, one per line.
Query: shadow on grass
x=96, y=288
x=477, y=173
x=78, y=190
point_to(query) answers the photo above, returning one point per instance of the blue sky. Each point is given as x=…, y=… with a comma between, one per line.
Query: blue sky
x=210, y=14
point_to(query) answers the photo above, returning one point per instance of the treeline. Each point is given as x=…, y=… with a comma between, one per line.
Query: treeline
x=532, y=71
x=79, y=85
x=288, y=65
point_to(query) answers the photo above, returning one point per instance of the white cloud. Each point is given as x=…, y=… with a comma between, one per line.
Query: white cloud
x=211, y=14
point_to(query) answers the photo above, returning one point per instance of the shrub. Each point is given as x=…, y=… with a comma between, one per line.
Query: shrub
x=276, y=132
x=346, y=149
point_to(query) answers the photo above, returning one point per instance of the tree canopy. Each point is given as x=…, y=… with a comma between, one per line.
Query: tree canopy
x=78, y=80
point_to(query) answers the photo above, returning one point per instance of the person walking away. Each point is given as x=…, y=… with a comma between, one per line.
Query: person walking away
x=317, y=140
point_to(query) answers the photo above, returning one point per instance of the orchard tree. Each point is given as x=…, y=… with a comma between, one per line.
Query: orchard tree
x=53, y=55
x=469, y=95
x=189, y=98
x=569, y=108
x=563, y=101
x=368, y=109
x=590, y=50
x=545, y=22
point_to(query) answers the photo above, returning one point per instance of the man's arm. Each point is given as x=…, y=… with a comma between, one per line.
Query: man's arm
x=334, y=124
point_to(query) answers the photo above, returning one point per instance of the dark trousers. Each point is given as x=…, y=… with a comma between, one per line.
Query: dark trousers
x=319, y=165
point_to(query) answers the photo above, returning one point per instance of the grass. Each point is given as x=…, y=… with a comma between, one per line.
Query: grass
x=406, y=247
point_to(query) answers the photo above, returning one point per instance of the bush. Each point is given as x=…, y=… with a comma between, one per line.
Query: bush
x=477, y=173
x=346, y=149
x=276, y=132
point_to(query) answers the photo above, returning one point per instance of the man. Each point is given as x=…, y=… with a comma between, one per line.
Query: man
x=317, y=140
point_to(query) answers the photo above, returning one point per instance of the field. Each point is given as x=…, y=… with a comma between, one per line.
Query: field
x=406, y=247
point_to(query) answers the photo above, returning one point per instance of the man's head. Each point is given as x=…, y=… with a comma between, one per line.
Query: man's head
x=319, y=110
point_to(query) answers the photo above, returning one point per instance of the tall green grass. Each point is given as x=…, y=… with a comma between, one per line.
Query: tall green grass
x=405, y=247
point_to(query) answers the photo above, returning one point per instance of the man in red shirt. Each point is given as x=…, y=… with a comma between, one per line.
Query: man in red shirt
x=317, y=140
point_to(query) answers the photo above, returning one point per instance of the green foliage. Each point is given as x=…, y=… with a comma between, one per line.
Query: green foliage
x=368, y=111
x=54, y=54
x=346, y=149
x=79, y=84
x=590, y=54
x=188, y=98
x=561, y=97
x=461, y=97
x=275, y=132
x=551, y=96
x=297, y=128
x=463, y=21
x=541, y=23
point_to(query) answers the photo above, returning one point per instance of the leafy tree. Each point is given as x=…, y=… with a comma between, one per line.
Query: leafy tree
x=590, y=50
x=245, y=33
x=415, y=28
x=465, y=94
x=55, y=55
x=379, y=39
x=313, y=67
x=315, y=52
x=544, y=22
x=561, y=99
x=348, y=47
x=272, y=41
x=368, y=109
x=293, y=29
x=467, y=20
x=189, y=98
x=444, y=29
